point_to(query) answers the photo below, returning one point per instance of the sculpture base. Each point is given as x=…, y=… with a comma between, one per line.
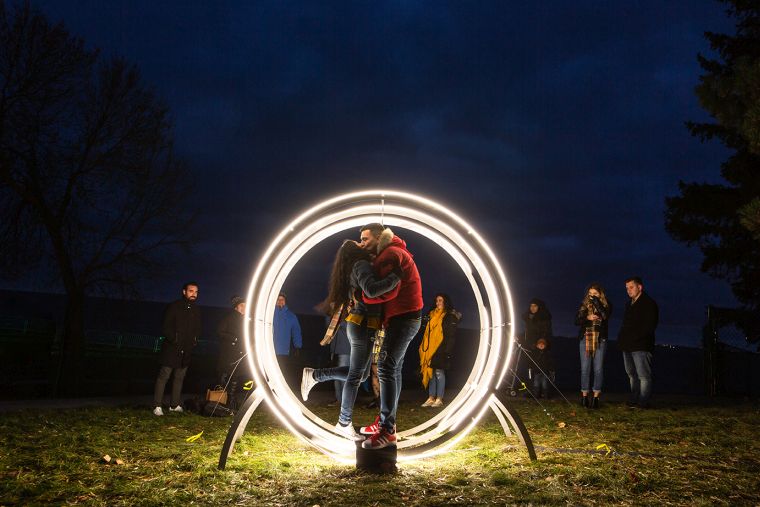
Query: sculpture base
x=377, y=461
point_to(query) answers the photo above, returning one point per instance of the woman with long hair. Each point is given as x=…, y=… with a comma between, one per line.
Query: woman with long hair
x=351, y=276
x=436, y=348
x=592, y=318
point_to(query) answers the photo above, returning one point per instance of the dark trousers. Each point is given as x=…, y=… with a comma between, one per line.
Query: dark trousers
x=290, y=367
x=163, y=376
x=638, y=366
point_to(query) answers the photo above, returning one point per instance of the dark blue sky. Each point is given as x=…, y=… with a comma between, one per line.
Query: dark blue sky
x=557, y=128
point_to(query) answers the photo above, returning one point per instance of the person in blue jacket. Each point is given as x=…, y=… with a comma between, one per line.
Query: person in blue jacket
x=287, y=337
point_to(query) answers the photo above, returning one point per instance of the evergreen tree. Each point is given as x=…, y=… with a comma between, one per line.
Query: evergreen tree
x=723, y=220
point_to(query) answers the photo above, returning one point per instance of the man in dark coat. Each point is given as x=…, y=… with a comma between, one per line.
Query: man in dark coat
x=232, y=367
x=636, y=340
x=182, y=328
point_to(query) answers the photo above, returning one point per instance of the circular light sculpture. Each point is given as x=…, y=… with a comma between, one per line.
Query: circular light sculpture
x=458, y=240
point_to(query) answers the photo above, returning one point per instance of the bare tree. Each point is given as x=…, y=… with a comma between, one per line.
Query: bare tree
x=88, y=179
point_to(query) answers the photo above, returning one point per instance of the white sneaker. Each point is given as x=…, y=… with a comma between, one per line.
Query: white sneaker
x=437, y=403
x=178, y=408
x=158, y=411
x=349, y=432
x=428, y=402
x=307, y=382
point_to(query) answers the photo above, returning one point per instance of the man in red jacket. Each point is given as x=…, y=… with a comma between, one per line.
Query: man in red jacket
x=402, y=312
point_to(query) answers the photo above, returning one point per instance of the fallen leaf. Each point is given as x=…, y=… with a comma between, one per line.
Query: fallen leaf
x=119, y=462
x=194, y=437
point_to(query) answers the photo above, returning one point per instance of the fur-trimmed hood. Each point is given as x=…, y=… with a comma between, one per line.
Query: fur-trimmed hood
x=385, y=239
x=392, y=255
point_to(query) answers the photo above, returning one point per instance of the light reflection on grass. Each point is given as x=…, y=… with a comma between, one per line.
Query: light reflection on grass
x=691, y=455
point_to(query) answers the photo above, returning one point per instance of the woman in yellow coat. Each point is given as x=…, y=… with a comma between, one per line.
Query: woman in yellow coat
x=436, y=348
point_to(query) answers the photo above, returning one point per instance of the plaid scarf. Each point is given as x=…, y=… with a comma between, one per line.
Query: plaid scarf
x=592, y=340
x=378, y=344
x=332, y=328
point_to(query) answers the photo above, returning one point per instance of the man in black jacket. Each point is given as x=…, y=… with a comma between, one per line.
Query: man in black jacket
x=636, y=340
x=182, y=328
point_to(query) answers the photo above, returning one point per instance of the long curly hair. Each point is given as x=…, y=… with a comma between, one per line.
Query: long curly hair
x=448, y=306
x=586, y=304
x=339, y=285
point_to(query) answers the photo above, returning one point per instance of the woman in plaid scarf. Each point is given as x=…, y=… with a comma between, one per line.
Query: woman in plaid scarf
x=592, y=319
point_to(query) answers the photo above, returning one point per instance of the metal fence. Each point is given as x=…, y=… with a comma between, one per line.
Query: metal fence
x=728, y=369
x=117, y=361
x=120, y=340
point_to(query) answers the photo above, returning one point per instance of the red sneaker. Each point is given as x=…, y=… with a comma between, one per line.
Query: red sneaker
x=372, y=428
x=380, y=440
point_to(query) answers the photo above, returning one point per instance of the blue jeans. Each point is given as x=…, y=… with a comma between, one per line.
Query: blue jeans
x=342, y=360
x=398, y=335
x=437, y=384
x=598, y=362
x=638, y=366
x=353, y=374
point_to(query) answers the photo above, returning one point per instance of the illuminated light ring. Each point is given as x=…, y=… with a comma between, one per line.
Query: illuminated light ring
x=457, y=239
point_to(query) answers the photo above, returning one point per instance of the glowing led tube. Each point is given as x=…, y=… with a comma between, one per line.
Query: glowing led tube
x=431, y=220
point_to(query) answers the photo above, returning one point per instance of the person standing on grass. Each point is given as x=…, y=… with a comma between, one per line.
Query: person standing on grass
x=538, y=323
x=538, y=326
x=636, y=341
x=287, y=338
x=231, y=366
x=437, y=347
x=592, y=320
x=543, y=368
x=402, y=318
x=182, y=328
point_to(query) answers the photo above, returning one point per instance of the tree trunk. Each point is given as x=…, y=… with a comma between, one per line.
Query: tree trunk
x=72, y=345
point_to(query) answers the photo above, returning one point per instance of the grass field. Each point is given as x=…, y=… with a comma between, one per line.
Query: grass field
x=679, y=454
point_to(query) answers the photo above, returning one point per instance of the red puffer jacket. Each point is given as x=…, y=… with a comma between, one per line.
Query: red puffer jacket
x=407, y=296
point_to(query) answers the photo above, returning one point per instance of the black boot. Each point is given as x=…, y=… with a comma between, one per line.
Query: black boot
x=595, y=402
x=584, y=401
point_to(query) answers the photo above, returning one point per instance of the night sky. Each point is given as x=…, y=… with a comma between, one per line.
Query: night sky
x=556, y=128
